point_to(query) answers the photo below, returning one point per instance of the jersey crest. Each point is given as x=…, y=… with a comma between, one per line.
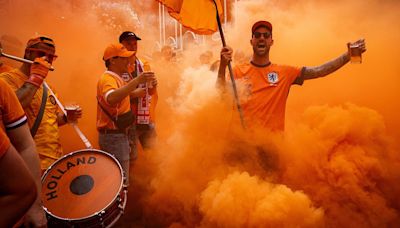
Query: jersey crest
x=272, y=78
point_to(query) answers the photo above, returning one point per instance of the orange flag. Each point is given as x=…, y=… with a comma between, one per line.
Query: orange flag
x=200, y=16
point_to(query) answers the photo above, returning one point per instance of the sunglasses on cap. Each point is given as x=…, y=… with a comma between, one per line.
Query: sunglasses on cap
x=257, y=35
x=50, y=57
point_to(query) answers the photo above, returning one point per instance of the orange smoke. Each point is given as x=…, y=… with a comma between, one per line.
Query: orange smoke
x=344, y=160
x=245, y=201
x=337, y=164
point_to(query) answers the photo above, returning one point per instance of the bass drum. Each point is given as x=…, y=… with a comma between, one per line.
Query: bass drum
x=84, y=189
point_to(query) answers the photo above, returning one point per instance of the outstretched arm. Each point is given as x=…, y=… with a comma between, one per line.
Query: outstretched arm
x=333, y=65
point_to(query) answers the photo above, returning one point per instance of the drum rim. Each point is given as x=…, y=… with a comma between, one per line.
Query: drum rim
x=103, y=209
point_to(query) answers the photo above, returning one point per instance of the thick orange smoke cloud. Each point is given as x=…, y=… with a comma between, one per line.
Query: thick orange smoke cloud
x=342, y=157
x=336, y=165
x=259, y=203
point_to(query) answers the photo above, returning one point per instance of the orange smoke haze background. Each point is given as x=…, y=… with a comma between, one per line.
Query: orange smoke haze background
x=336, y=165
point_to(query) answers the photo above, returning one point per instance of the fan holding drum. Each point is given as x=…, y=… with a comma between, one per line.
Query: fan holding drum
x=38, y=101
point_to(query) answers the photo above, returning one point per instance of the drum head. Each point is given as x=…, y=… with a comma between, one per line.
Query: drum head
x=81, y=184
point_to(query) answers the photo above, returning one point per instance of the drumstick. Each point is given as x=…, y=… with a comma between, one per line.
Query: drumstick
x=78, y=131
x=19, y=59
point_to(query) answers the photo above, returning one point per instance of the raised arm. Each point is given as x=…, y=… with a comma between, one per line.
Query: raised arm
x=226, y=57
x=38, y=72
x=333, y=65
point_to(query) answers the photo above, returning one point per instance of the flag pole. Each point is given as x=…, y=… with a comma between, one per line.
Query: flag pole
x=221, y=32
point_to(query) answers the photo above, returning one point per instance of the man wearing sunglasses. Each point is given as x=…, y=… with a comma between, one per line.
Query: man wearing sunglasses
x=44, y=116
x=265, y=85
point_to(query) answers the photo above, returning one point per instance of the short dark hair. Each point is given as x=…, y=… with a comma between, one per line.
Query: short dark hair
x=107, y=63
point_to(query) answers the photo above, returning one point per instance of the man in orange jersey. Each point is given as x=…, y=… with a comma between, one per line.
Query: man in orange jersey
x=265, y=85
x=144, y=99
x=16, y=181
x=114, y=115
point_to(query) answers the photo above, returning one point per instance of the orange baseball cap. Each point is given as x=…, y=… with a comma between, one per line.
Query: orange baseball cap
x=258, y=24
x=116, y=50
x=40, y=39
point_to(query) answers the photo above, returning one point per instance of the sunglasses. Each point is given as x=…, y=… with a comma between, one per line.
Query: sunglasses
x=50, y=57
x=257, y=35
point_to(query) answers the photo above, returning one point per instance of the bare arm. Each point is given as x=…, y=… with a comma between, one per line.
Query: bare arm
x=17, y=188
x=333, y=65
x=22, y=140
x=119, y=94
x=37, y=73
x=138, y=92
x=326, y=68
x=25, y=94
x=226, y=57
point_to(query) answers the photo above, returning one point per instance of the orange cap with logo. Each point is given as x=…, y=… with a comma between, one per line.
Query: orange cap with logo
x=40, y=39
x=116, y=50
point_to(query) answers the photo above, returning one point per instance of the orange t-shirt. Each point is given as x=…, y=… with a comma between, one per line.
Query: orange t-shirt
x=109, y=82
x=47, y=138
x=263, y=92
x=11, y=114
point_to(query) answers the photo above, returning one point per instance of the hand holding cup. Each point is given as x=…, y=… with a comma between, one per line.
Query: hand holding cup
x=355, y=50
x=74, y=112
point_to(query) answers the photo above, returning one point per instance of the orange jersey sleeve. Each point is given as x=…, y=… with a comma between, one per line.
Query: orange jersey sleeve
x=11, y=113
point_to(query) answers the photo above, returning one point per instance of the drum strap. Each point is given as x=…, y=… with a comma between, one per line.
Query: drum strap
x=39, y=117
x=105, y=111
x=122, y=121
